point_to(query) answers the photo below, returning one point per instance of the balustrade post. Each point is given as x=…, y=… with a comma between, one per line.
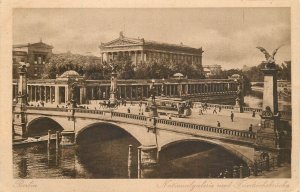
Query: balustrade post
x=57, y=140
x=235, y=172
x=49, y=139
x=241, y=171
x=255, y=169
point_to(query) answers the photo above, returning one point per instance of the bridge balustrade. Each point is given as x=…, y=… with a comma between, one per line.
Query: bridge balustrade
x=49, y=109
x=143, y=120
x=238, y=133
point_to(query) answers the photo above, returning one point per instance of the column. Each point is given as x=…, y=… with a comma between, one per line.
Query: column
x=125, y=92
x=28, y=93
x=50, y=94
x=120, y=91
x=56, y=96
x=40, y=93
x=130, y=92
x=107, y=91
x=135, y=57
x=147, y=91
x=45, y=94
x=142, y=91
x=66, y=94
x=82, y=93
x=142, y=56
x=92, y=90
x=35, y=94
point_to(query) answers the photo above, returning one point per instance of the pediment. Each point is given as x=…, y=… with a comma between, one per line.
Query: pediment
x=122, y=42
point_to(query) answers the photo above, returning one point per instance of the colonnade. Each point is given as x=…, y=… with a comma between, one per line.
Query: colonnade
x=138, y=56
x=60, y=93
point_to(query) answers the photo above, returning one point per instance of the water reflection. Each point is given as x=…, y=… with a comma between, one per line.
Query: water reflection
x=254, y=99
x=109, y=160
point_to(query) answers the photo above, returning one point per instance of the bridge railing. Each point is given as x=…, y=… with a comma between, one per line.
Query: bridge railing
x=251, y=109
x=129, y=116
x=198, y=104
x=230, y=133
x=217, y=130
x=49, y=109
x=284, y=114
x=91, y=111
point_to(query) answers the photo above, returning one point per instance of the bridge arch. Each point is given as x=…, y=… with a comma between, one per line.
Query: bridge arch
x=113, y=129
x=40, y=126
x=222, y=145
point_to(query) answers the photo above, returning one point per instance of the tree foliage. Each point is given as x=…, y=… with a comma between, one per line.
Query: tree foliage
x=90, y=66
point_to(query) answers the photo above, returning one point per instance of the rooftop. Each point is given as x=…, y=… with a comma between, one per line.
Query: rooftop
x=122, y=41
x=70, y=73
x=40, y=43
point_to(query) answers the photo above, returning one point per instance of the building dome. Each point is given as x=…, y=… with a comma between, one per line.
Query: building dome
x=70, y=73
x=236, y=76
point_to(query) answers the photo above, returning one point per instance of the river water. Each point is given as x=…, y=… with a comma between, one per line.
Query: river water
x=106, y=157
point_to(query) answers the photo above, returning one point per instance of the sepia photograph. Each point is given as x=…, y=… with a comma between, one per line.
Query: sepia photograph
x=152, y=93
x=108, y=96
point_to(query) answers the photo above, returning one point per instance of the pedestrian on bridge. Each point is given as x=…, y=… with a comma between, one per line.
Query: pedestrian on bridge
x=250, y=128
x=215, y=110
x=231, y=116
x=253, y=113
x=128, y=109
x=200, y=111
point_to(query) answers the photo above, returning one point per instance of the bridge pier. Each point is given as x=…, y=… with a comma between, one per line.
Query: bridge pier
x=67, y=138
x=148, y=156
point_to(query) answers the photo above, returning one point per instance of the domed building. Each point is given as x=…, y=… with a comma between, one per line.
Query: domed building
x=71, y=74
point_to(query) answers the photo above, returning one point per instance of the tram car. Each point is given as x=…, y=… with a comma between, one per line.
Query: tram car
x=174, y=108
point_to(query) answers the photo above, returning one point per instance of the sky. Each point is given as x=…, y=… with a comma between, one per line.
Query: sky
x=228, y=36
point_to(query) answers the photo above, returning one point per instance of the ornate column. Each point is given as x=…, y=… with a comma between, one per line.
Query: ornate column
x=19, y=120
x=142, y=56
x=135, y=58
x=113, y=87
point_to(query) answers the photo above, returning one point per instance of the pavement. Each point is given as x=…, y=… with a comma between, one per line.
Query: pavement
x=241, y=121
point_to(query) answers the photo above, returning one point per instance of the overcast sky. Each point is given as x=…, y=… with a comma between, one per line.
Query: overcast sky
x=228, y=36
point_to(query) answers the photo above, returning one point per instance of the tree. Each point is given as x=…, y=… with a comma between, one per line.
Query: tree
x=90, y=66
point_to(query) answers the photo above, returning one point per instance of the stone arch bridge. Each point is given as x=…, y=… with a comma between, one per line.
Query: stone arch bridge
x=152, y=139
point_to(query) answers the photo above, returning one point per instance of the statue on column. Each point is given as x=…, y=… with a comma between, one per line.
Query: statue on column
x=73, y=94
x=152, y=93
x=239, y=95
x=113, y=67
x=270, y=61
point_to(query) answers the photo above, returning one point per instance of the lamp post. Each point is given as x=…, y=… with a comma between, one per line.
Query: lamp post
x=239, y=101
x=153, y=108
x=163, y=87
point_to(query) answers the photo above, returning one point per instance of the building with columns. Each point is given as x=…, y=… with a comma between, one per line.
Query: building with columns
x=57, y=91
x=141, y=50
x=36, y=54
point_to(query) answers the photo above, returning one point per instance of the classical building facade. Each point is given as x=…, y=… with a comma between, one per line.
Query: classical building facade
x=57, y=91
x=141, y=50
x=36, y=54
